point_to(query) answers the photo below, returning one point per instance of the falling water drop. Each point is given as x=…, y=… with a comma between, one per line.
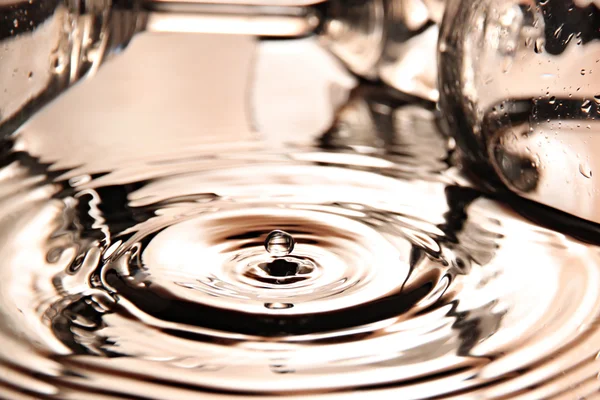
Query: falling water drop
x=279, y=243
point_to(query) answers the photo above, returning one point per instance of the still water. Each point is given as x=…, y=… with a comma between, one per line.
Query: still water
x=360, y=263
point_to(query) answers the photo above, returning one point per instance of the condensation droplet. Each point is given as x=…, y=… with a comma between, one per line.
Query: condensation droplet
x=279, y=243
x=507, y=64
x=558, y=31
x=586, y=106
x=57, y=64
x=585, y=170
x=538, y=46
x=278, y=306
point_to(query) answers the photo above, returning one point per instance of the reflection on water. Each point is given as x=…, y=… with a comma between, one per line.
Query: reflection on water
x=148, y=278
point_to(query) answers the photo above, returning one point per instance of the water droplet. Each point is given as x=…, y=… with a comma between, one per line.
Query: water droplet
x=279, y=243
x=583, y=72
x=507, y=64
x=552, y=100
x=282, y=369
x=558, y=31
x=57, y=64
x=538, y=46
x=586, y=106
x=278, y=306
x=585, y=170
x=16, y=23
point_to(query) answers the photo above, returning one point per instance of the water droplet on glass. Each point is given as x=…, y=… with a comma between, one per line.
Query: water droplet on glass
x=583, y=72
x=585, y=170
x=279, y=243
x=552, y=100
x=558, y=31
x=586, y=106
x=507, y=64
x=57, y=64
x=538, y=46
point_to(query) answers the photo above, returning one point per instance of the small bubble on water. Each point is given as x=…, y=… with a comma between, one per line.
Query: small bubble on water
x=279, y=243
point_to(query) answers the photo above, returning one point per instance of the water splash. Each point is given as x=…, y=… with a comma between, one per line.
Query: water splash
x=403, y=281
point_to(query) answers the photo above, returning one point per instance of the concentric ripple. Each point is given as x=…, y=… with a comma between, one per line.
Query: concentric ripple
x=402, y=283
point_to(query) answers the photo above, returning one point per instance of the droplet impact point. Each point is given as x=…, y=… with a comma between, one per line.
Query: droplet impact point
x=279, y=243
